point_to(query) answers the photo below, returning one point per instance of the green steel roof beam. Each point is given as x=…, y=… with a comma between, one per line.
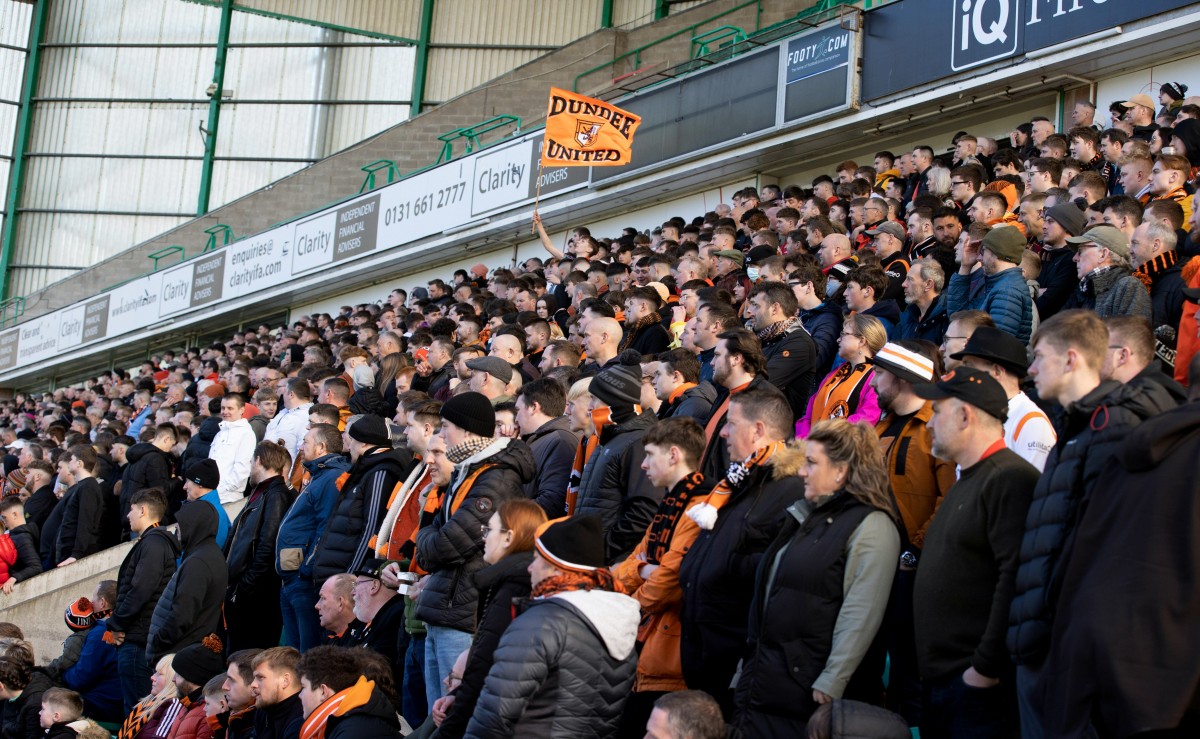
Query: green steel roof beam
x=214, y=108
x=16, y=181
x=421, y=66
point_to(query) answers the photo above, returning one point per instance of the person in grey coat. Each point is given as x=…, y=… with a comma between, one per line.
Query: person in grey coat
x=1106, y=281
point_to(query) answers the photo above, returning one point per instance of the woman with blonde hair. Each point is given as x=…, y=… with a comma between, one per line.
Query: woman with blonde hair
x=508, y=550
x=833, y=561
x=155, y=715
x=846, y=392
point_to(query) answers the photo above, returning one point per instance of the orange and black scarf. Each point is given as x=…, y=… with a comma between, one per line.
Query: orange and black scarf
x=705, y=514
x=339, y=704
x=599, y=579
x=587, y=445
x=658, y=535
x=1161, y=263
x=630, y=332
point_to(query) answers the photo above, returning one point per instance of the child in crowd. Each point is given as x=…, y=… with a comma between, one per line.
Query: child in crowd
x=80, y=619
x=214, y=702
x=60, y=708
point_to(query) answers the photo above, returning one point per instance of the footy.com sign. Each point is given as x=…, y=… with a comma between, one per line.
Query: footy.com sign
x=956, y=35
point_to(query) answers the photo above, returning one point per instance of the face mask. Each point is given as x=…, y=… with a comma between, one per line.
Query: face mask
x=831, y=287
x=752, y=273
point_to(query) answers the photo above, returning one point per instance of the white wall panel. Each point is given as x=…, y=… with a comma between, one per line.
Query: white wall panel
x=391, y=17
x=455, y=71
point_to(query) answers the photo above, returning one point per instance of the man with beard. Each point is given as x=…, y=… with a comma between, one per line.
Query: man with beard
x=790, y=351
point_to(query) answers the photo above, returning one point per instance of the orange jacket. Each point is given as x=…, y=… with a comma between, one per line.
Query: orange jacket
x=659, y=667
x=1187, y=344
x=919, y=479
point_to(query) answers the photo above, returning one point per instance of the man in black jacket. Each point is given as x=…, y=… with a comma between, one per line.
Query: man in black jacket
x=24, y=537
x=738, y=365
x=677, y=384
x=39, y=481
x=540, y=406
x=381, y=611
x=716, y=575
x=276, y=688
x=141, y=580
x=1069, y=351
x=82, y=507
x=150, y=465
x=487, y=472
x=190, y=606
x=362, y=503
x=790, y=351
x=614, y=486
x=252, y=612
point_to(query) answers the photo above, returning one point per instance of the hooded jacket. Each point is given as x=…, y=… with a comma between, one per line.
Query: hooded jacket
x=716, y=575
x=1091, y=433
x=614, y=487
x=141, y=581
x=147, y=466
x=451, y=547
x=888, y=313
x=791, y=362
x=375, y=719
x=190, y=606
x=563, y=669
x=1058, y=279
x=553, y=446
x=305, y=521
x=1125, y=655
x=1005, y=296
x=360, y=508
x=200, y=444
x=233, y=451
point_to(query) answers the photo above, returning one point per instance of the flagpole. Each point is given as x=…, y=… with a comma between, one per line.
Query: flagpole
x=537, y=193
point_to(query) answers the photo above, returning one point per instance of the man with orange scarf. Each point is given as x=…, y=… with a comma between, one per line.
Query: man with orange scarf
x=737, y=521
x=339, y=701
x=651, y=573
x=566, y=663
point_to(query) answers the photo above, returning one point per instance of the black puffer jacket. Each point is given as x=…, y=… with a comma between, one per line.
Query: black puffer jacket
x=1090, y=434
x=141, y=581
x=190, y=607
x=717, y=573
x=250, y=550
x=615, y=488
x=553, y=446
x=29, y=562
x=359, y=511
x=563, y=669
x=499, y=585
x=791, y=366
x=200, y=444
x=695, y=402
x=451, y=548
x=147, y=467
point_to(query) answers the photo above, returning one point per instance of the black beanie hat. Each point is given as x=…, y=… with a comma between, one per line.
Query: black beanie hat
x=204, y=472
x=201, y=662
x=575, y=544
x=472, y=412
x=371, y=429
x=619, y=387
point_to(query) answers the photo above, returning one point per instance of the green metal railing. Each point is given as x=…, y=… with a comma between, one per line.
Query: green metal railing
x=379, y=165
x=164, y=253
x=219, y=230
x=471, y=134
x=636, y=54
x=11, y=310
x=718, y=38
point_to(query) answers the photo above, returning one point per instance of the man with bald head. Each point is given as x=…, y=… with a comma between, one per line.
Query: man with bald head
x=601, y=340
x=511, y=348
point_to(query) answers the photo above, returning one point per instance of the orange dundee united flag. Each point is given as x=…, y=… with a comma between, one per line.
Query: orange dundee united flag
x=584, y=131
